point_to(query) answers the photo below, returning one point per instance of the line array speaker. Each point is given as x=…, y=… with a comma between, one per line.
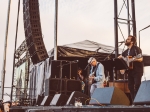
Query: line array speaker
x=33, y=32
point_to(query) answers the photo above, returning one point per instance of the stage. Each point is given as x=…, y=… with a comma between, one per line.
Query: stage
x=85, y=108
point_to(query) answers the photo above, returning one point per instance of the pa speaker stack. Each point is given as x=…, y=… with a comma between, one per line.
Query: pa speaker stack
x=52, y=86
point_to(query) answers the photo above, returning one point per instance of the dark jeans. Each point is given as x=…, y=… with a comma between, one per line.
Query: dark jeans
x=134, y=81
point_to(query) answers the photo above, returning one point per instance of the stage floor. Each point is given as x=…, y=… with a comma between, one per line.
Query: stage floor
x=85, y=108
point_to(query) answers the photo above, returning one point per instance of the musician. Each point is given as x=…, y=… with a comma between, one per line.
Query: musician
x=96, y=74
x=81, y=78
x=134, y=74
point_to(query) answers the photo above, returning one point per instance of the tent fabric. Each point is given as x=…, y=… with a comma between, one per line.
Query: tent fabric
x=83, y=49
x=89, y=48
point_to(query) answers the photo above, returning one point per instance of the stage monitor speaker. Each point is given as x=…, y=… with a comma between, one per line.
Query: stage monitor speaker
x=46, y=101
x=39, y=99
x=143, y=95
x=109, y=96
x=59, y=100
x=76, y=94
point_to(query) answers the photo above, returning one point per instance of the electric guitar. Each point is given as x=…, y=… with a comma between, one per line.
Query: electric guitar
x=91, y=80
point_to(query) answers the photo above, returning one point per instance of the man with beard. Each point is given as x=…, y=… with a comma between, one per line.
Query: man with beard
x=136, y=60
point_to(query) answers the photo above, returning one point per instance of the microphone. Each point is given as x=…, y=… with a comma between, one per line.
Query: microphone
x=86, y=66
x=98, y=49
x=122, y=42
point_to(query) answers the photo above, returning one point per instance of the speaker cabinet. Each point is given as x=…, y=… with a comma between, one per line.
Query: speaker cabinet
x=52, y=86
x=109, y=96
x=143, y=95
x=46, y=101
x=33, y=32
x=59, y=100
x=69, y=70
x=76, y=94
x=73, y=85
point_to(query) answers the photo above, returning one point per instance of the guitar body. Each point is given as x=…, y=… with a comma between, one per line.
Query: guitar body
x=90, y=81
x=130, y=62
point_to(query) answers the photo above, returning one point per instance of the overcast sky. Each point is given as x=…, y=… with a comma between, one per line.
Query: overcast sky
x=78, y=20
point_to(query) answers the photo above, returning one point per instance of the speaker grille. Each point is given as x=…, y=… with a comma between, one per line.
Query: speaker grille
x=52, y=86
x=73, y=85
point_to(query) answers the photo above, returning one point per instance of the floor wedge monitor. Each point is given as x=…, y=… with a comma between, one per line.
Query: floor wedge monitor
x=143, y=95
x=109, y=96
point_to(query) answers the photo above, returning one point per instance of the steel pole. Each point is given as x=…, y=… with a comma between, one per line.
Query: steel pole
x=15, y=50
x=5, y=52
x=116, y=28
x=133, y=17
x=128, y=15
x=55, y=29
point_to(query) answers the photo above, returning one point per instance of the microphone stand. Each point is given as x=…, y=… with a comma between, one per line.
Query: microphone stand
x=108, y=57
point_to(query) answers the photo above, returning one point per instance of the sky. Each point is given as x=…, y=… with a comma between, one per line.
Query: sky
x=78, y=20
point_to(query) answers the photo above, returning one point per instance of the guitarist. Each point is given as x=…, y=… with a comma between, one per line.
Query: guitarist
x=134, y=74
x=96, y=74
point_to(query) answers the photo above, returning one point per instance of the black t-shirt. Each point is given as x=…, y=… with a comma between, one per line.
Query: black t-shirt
x=134, y=51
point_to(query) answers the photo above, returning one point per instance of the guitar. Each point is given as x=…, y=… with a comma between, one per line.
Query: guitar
x=91, y=80
x=129, y=61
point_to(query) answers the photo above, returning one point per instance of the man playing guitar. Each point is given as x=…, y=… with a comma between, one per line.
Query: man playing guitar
x=97, y=75
x=136, y=71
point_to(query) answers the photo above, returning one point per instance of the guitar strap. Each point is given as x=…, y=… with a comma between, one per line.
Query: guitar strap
x=96, y=69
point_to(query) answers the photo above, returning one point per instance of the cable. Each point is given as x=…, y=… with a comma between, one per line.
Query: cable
x=95, y=100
